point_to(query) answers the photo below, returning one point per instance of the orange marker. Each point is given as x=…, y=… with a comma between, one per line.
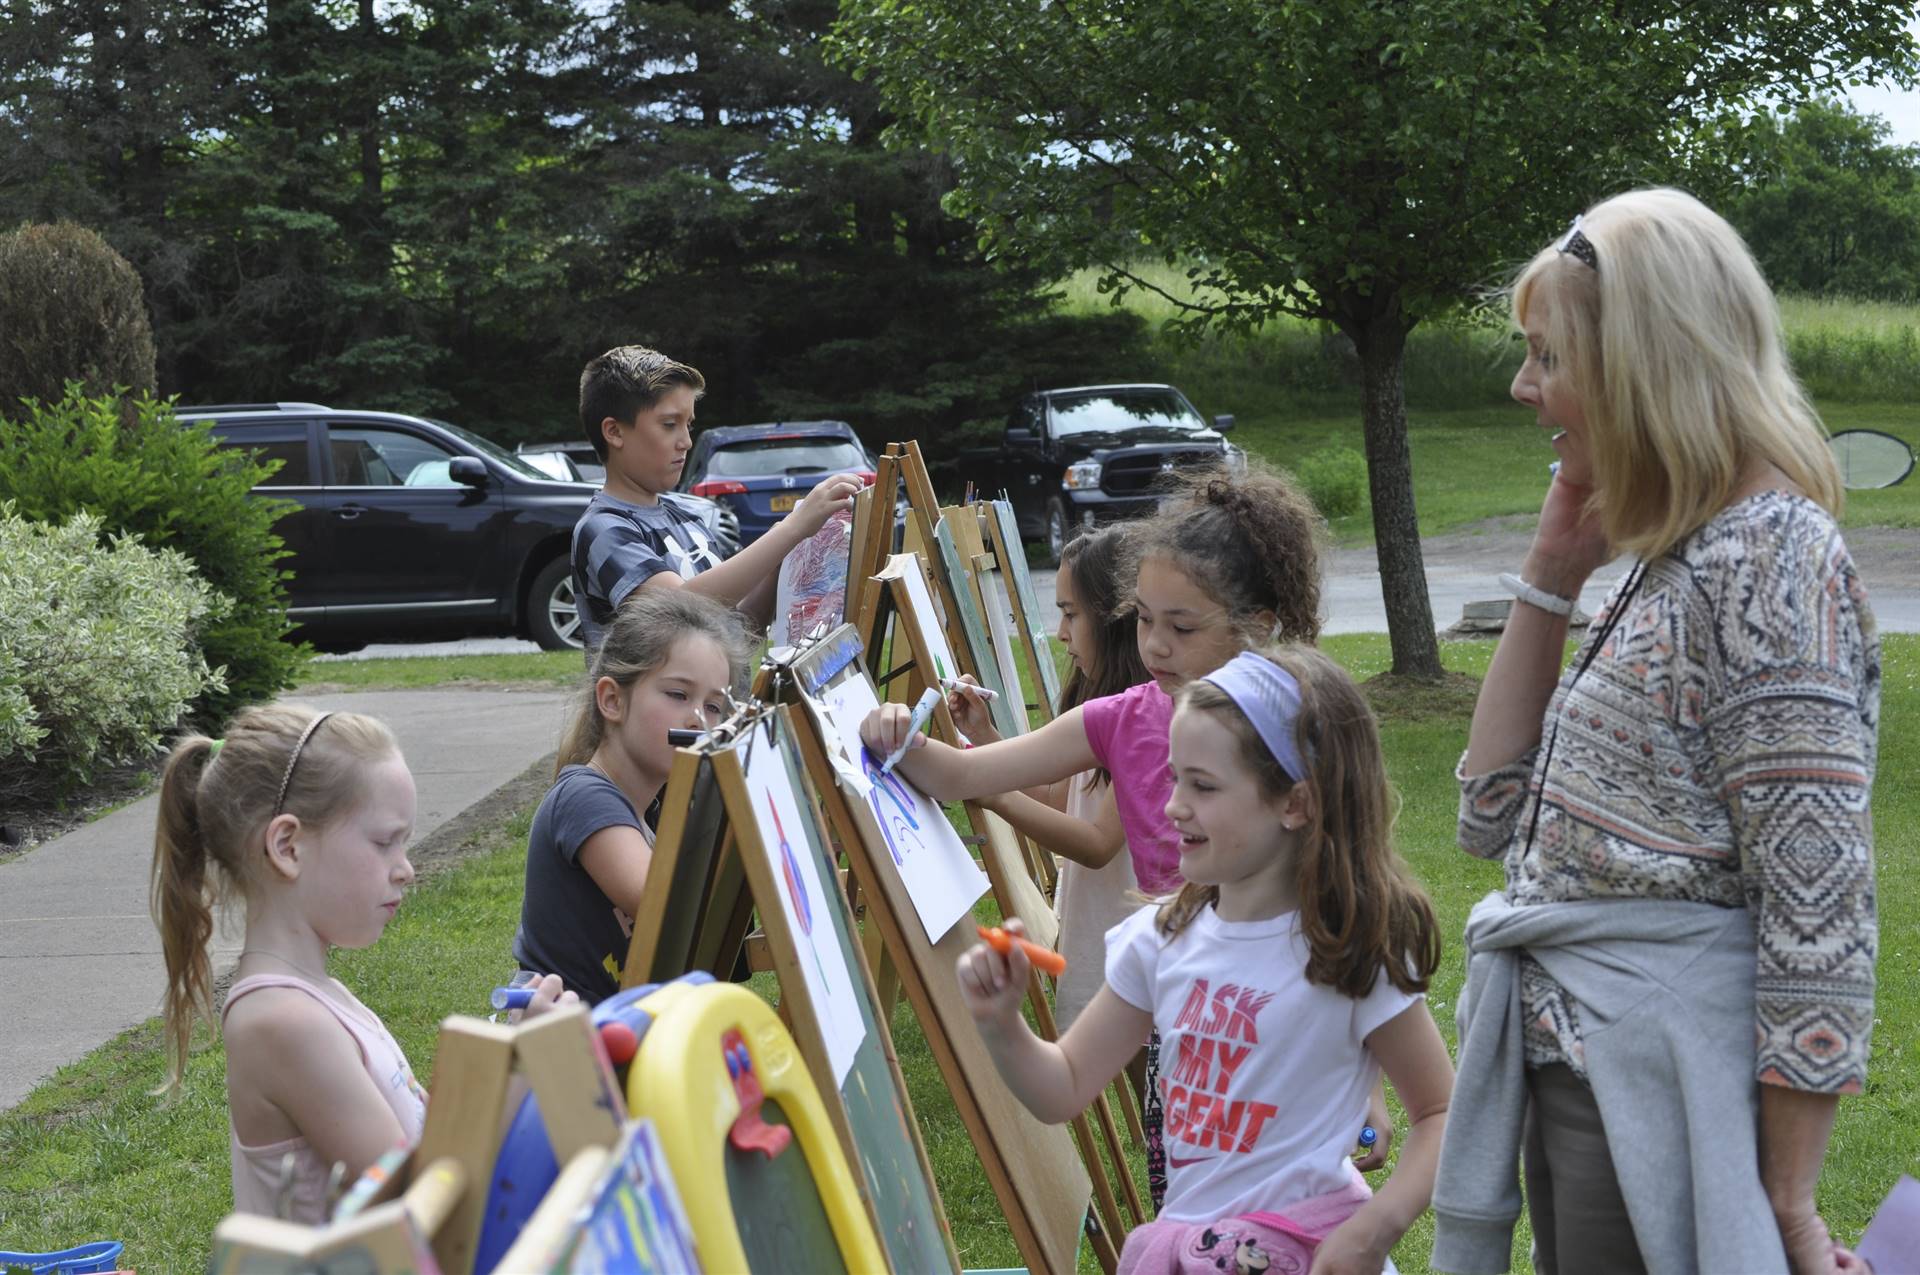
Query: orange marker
x=1043, y=958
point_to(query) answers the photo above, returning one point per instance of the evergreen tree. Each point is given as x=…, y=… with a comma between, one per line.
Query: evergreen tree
x=430, y=205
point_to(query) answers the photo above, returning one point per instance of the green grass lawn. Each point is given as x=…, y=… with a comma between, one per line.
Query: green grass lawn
x=91, y=1154
x=1472, y=464
x=531, y=668
x=1476, y=454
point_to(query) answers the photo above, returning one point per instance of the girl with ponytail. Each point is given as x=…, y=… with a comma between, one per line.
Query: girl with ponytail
x=303, y=816
x=669, y=659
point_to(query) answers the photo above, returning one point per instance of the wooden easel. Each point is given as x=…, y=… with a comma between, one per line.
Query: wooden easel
x=879, y=590
x=1004, y=538
x=1020, y=892
x=1026, y=1167
x=719, y=846
x=872, y=536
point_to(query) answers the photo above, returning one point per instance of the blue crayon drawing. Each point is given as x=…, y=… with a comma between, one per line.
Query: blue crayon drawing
x=900, y=825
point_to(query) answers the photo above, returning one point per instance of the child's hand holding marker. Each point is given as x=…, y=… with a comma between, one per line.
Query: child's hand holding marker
x=528, y=994
x=1044, y=959
x=929, y=700
x=993, y=975
x=968, y=704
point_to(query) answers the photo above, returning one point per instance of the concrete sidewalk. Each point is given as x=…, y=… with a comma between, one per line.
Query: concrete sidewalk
x=80, y=960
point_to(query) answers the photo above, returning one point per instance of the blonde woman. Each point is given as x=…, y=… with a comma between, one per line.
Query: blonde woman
x=1676, y=986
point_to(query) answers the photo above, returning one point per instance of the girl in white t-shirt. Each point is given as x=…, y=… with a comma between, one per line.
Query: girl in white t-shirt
x=1282, y=978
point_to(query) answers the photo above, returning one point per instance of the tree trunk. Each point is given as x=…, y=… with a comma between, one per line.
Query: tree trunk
x=1396, y=534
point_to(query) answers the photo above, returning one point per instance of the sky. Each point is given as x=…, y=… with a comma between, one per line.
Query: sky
x=1899, y=107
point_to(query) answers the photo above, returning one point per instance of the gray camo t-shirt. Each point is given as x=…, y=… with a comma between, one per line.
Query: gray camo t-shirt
x=618, y=546
x=567, y=925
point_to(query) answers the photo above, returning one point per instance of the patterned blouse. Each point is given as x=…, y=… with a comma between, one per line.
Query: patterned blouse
x=1720, y=748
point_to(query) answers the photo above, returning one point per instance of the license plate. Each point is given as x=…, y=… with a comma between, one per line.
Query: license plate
x=781, y=504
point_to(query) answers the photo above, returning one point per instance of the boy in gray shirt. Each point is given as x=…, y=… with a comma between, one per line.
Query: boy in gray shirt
x=637, y=408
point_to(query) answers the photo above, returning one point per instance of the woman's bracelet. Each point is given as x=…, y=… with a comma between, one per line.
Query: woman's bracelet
x=1551, y=603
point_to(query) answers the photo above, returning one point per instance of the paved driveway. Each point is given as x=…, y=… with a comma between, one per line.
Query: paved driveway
x=80, y=959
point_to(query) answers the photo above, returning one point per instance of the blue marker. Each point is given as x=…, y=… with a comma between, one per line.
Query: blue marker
x=511, y=997
x=1368, y=1137
x=929, y=700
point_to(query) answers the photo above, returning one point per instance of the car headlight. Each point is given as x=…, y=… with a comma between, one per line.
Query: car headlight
x=1082, y=475
x=1236, y=458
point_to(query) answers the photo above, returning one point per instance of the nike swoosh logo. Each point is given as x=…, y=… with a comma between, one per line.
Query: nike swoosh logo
x=1175, y=1162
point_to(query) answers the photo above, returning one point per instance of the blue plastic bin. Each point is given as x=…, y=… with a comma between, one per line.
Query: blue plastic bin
x=84, y=1260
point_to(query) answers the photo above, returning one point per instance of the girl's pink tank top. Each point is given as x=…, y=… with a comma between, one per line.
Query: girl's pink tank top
x=256, y=1170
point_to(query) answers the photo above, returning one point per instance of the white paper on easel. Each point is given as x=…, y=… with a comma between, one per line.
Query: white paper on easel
x=928, y=617
x=804, y=900
x=999, y=615
x=941, y=878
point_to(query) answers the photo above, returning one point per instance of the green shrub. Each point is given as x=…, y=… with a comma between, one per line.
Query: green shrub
x=144, y=473
x=1335, y=479
x=71, y=309
x=98, y=651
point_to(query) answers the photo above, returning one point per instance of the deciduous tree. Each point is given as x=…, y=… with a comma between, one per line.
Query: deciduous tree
x=1362, y=162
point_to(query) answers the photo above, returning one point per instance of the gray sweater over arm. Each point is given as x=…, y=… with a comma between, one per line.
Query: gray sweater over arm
x=1666, y=997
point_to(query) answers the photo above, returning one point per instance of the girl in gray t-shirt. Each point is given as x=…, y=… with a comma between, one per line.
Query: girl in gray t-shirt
x=670, y=660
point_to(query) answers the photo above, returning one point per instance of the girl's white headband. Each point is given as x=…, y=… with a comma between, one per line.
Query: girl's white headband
x=1270, y=697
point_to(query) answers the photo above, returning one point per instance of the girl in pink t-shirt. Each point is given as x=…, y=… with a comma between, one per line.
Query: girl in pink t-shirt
x=306, y=817
x=1076, y=817
x=1284, y=975
x=1233, y=564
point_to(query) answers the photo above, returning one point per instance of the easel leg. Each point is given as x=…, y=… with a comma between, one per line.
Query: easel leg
x=1106, y=1211
x=1103, y=1112
x=1130, y=1112
x=1107, y=1208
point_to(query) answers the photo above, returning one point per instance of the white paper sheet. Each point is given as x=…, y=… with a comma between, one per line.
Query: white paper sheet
x=804, y=898
x=928, y=616
x=941, y=877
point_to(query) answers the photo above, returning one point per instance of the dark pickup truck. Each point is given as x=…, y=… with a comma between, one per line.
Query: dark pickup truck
x=1077, y=458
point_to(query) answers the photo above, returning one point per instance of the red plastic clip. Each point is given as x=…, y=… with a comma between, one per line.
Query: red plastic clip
x=749, y=1131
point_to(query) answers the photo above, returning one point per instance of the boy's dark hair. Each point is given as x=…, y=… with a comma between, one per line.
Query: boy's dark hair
x=624, y=381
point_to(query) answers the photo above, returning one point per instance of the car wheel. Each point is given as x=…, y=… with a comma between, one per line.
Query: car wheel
x=553, y=614
x=1059, y=530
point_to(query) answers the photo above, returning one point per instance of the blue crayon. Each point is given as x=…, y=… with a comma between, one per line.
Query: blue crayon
x=511, y=997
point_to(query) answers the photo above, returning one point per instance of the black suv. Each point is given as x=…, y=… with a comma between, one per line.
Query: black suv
x=410, y=527
x=1076, y=458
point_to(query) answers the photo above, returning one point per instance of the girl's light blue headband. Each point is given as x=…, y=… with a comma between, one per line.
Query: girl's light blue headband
x=1270, y=697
